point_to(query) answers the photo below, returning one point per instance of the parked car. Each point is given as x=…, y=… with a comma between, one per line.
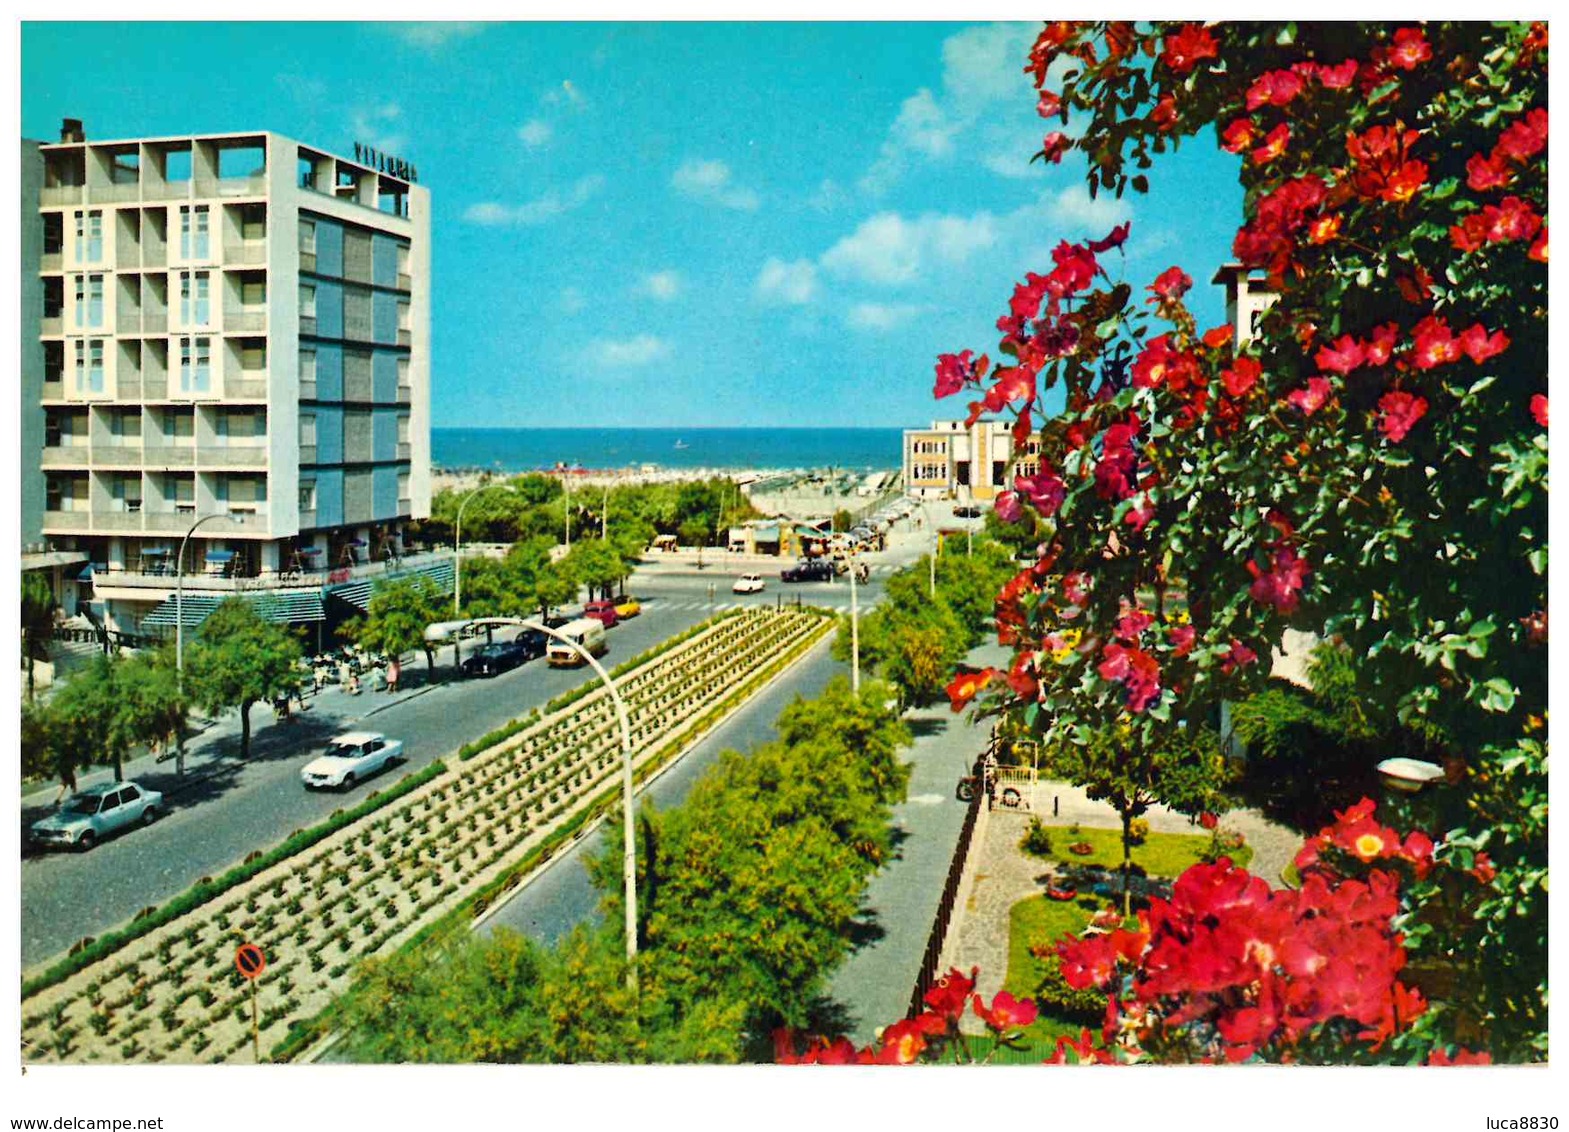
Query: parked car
x=88, y=817
x=349, y=758
x=967, y=511
x=488, y=660
x=748, y=584
x=602, y=611
x=808, y=570
x=627, y=606
x=589, y=635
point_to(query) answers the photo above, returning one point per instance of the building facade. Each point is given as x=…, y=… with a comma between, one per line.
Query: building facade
x=231, y=334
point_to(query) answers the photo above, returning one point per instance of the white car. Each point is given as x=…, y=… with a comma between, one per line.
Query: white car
x=748, y=584
x=350, y=758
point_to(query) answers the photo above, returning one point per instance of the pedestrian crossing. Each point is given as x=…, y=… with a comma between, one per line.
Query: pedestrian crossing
x=840, y=603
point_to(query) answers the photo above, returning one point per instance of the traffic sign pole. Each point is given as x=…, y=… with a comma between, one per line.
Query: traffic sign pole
x=251, y=961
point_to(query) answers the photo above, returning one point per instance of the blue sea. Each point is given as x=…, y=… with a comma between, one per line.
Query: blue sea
x=529, y=449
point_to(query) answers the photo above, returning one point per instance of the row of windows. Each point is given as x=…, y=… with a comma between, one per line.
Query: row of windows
x=929, y=447
x=70, y=493
x=195, y=242
x=68, y=428
x=929, y=471
x=195, y=365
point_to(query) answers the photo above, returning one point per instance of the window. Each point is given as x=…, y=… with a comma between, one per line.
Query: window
x=308, y=237
x=403, y=485
x=126, y=424
x=307, y=495
x=195, y=365
x=307, y=301
x=126, y=491
x=193, y=232
x=403, y=428
x=403, y=372
x=403, y=316
x=307, y=366
x=89, y=365
x=89, y=236
x=181, y=424
x=999, y=469
x=195, y=298
x=181, y=491
x=307, y=430
x=89, y=301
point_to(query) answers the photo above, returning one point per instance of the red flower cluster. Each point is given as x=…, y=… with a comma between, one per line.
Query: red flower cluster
x=1045, y=490
x=1117, y=467
x=1161, y=363
x=1274, y=145
x=1282, y=583
x=966, y=685
x=1260, y=968
x=1186, y=48
x=1241, y=376
x=1433, y=344
x=1172, y=283
x=1358, y=834
x=1509, y=219
x=954, y=371
x=1136, y=670
x=1275, y=88
x=1238, y=656
x=1398, y=412
x=903, y=1042
x=1406, y=51
x=1268, y=240
x=1383, y=167
x=1520, y=141
x=1311, y=398
x=1539, y=408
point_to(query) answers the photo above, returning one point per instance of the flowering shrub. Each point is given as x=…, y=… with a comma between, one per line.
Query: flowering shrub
x=1372, y=464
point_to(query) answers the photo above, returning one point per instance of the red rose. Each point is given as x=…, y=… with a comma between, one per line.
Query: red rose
x=1398, y=412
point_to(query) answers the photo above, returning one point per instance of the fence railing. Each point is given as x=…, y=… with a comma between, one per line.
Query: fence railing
x=945, y=905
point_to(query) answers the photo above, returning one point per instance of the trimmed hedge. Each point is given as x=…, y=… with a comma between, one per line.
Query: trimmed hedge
x=203, y=891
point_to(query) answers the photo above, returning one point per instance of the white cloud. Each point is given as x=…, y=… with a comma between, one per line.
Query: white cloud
x=889, y=249
x=638, y=351
x=436, y=34
x=791, y=283
x=661, y=285
x=373, y=125
x=881, y=316
x=535, y=133
x=565, y=94
x=983, y=76
x=540, y=210
x=1074, y=205
x=710, y=181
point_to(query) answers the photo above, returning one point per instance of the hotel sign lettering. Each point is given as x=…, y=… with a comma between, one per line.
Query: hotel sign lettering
x=385, y=162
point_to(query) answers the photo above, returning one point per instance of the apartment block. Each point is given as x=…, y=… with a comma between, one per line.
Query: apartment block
x=232, y=340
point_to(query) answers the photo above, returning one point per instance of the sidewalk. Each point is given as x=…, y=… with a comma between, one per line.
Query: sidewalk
x=873, y=984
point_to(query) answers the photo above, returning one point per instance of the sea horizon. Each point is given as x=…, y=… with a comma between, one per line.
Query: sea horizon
x=699, y=446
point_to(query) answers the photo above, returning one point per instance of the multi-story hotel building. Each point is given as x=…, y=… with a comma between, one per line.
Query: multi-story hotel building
x=226, y=332
x=971, y=464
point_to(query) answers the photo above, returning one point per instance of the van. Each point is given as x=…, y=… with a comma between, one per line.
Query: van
x=587, y=633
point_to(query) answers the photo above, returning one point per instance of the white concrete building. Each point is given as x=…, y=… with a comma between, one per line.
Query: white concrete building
x=233, y=330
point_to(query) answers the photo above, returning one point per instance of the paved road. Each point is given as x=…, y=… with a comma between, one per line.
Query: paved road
x=224, y=809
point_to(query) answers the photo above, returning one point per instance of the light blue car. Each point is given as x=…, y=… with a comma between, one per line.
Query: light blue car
x=87, y=818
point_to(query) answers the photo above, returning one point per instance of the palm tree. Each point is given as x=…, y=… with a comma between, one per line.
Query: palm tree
x=37, y=622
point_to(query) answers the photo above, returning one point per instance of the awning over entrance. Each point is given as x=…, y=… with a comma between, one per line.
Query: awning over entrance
x=358, y=593
x=280, y=607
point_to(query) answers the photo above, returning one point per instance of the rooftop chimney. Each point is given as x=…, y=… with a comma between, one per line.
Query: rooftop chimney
x=71, y=130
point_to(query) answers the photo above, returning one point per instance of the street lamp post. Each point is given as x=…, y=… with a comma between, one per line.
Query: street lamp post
x=179, y=631
x=604, y=516
x=566, y=506
x=629, y=848
x=457, y=541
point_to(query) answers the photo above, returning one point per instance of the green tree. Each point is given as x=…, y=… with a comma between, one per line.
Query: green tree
x=239, y=659
x=52, y=745
x=543, y=583
x=38, y=608
x=149, y=698
x=1187, y=773
x=397, y=614
x=595, y=564
x=910, y=639
x=843, y=520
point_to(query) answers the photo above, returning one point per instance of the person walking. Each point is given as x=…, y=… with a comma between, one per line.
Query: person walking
x=394, y=671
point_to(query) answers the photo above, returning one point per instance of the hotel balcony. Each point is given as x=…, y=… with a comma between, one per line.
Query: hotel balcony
x=119, y=456
x=405, y=394
x=65, y=456
x=234, y=456
x=54, y=391
x=144, y=584
x=68, y=522
x=61, y=195
x=245, y=389
x=169, y=457
x=244, y=319
x=51, y=326
x=53, y=261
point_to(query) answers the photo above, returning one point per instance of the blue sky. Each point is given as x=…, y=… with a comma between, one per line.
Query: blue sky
x=671, y=224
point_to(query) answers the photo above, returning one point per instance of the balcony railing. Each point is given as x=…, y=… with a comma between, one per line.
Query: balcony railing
x=245, y=389
x=117, y=520
x=54, y=391
x=405, y=282
x=128, y=322
x=157, y=456
x=60, y=194
x=164, y=583
x=117, y=455
x=248, y=252
x=234, y=456
x=169, y=522
x=116, y=194
x=405, y=394
x=405, y=451
x=54, y=325
x=68, y=522
x=237, y=186
x=65, y=456
x=166, y=190
x=242, y=319
x=405, y=338
x=51, y=261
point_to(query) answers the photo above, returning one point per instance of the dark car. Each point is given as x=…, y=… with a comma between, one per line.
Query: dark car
x=967, y=511
x=488, y=660
x=809, y=570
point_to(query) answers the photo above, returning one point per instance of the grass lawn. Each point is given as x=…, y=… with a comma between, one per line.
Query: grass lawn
x=1161, y=855
x=1038, y=920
